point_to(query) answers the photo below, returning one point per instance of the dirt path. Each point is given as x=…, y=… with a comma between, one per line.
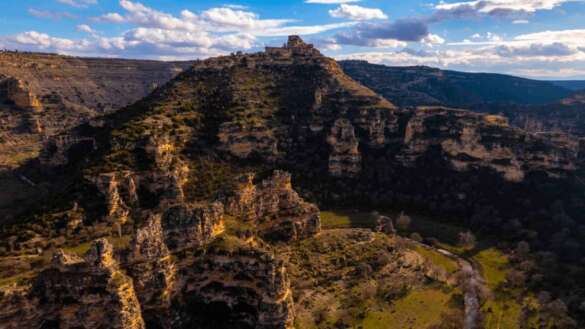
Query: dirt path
x=473, y=282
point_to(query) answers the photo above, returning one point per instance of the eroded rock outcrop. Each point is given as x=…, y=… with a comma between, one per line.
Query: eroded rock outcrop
x=58, y=150
x=246, y=141
x=152, y=267
x=81, y=292
x=120, y=192
x=345, y=158
x=192, y=226
x=18, y=92
x=469, y=140
x=280, y=213
x=246, y=287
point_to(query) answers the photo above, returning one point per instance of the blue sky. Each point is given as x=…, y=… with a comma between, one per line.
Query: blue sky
x=534, y=38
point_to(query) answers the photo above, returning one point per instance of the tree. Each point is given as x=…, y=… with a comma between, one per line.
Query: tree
x=523, y=248
x=467, y=240
x=416, y=237
x=403, y=221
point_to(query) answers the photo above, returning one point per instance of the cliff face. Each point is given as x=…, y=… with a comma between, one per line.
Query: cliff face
x=278, y=211
x=42, y=94
x=470, y=140
x=535, y=106
x=88, y=292
x=193, y=176
x=293, y=108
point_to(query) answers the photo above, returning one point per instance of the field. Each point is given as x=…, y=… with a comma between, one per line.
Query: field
x=419, y=309
x=502, y=308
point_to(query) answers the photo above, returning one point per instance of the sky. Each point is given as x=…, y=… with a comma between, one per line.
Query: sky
x=543, y=39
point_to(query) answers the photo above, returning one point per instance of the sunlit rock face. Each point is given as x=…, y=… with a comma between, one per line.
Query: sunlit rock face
x=189, y=226
x=81, y=292
x=470, y=140
x=280, y=213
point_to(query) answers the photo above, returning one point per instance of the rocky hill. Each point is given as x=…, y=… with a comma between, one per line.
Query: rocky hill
x=208, y=193
x=421, y=86
x=44, y=94
x=536, y=106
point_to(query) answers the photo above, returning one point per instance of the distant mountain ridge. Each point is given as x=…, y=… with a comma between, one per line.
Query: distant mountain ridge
x=420, y=85
x=574, y=85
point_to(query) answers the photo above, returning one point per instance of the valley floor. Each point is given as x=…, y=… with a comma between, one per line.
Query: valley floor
x=433, y=307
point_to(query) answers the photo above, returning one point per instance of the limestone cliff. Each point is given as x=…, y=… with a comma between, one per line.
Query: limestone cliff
x=75, y=292
x=280, y=213
x=42, y=95
x=192, y=226
x=476, y=140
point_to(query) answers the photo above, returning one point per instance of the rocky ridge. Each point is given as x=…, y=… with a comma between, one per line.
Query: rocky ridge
x=194, y=176
x=43, y=94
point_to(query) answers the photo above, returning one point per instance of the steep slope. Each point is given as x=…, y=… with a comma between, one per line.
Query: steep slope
x=293, y=108
x=536, y=106
x=416, y=86
x=204, y=181
x=44, y=94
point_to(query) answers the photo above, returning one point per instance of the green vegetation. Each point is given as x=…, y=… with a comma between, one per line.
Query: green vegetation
x=228, y=244
x=419, y=309
x=119, y=243
x=438, y=259
x=18, y=279
x=208, y=176
x=503, y=311
x=346, y=219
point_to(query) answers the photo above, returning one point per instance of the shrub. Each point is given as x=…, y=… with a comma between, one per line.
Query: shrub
x=403, y=221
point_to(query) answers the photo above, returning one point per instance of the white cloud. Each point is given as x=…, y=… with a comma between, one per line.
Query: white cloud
x=85, y=28
x=157, y=34
x=331, y=2
x=55, y=15
x=235, y=20
x=433, y=39
x=78, y=3
x=44, y=41
x=520, y=21
x=500, y=7
x=217, y=20
x=357, y=13
x=111, y=17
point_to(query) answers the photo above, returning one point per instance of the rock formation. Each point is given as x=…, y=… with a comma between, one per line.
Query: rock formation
x=244, y=142
x=345, y=158
x=192, y=226
x=88, y=292
x=476, y=140
x=280, y=213
x=243, y=288
x=152, y=268
x=18, y=93
x=120, y=192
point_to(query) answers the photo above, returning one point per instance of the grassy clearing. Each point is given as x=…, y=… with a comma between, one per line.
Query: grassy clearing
x=502, y=311
x=448, y=264
x=18, y=279
x=494, y=265
x=119, y=243
x=346, y=219
x=419, y=309
x=447, y=233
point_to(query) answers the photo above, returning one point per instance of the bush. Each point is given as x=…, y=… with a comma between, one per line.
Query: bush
x=467, y=240
x=403, y=221
x=416, y=237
